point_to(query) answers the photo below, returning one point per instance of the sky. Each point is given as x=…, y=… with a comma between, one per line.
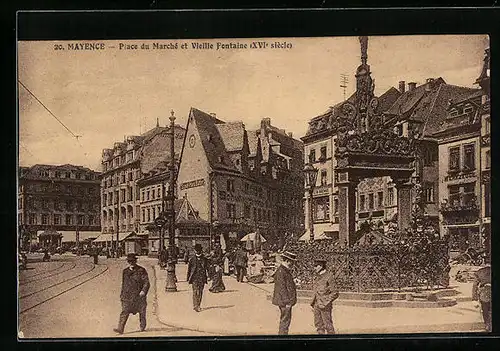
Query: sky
x=104, y=95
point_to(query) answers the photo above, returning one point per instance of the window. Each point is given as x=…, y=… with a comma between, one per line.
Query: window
x=469, y=157
x=453, y=112
x=129, y=194
x=81, y=220
x=322, y=156
x=469, y=193
x=428, y=156
x=143, y=215
x=380, y=199
x=335, y=205
x=467, y=109
x=321, y=208
x=312, y=156
x=45, y=218
x=57, y=205
x=370, y=201
x=454, y=158
x=158, y=193
x=362, y=202
x=130, y=176
x=122, y=195
x=45, y=204
x=123, y=177
x=487, y=201
x=488, y=160
x=336, y=175
x=454, y=195
x=324, y=175
x=149, y=215
x=154, y=212
x=57, y=219
x=230, y=185
x=487, y=126
x=32, y=218
x=231, y=210
x=110, y=198
x=429, y=194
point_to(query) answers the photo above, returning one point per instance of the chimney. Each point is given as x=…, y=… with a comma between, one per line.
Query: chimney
x=402, y=86
x=411, y=86
x=290, y=134
x=429, y=83
x=266, y=122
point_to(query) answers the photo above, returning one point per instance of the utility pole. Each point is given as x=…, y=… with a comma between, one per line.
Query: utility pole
x=344, y=79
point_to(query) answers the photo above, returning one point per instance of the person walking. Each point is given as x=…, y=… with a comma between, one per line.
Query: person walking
x=285, y=291
x=240, y=263
x=95, y=254
x=481, y=291
x=135, y=286
x=197, y=275
x=325, y=293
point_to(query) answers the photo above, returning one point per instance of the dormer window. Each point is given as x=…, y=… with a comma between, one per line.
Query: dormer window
x=453, y=112
x=468, y=109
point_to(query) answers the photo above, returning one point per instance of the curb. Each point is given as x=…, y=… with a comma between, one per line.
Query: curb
x=243, y=330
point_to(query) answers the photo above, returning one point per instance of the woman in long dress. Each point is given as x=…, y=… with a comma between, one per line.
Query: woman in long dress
x=217, y=282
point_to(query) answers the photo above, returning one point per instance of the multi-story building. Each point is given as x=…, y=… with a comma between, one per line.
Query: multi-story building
x=484, y=83
x=376, y=197
x=58, y=204
x=464, y=174
x=459, y=173
x=241, y=181
x=190, y=228
x=122, y=167
x=418, y=112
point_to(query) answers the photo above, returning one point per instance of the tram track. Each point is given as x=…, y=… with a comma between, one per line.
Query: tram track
x=26, y=276
x=22, y=299
x=26, y=282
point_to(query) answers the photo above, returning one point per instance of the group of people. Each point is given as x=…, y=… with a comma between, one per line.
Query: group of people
x=285, y=295
x=201, y=269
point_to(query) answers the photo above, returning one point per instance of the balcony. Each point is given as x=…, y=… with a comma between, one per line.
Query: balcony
x=461, y=203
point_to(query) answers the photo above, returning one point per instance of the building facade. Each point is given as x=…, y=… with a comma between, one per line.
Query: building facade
x=58, y=204
x=412, y=111
x=465, y=168
x=242, y=181
x=122, y=167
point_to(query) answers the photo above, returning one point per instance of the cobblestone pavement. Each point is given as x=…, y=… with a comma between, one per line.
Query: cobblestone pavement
x=90, y=309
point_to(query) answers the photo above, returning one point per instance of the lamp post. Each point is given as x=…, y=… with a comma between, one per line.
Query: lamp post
x=170, y=211
x=310, y=175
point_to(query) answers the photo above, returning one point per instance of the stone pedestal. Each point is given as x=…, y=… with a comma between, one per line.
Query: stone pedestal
x=404, y=187
x=347, y=209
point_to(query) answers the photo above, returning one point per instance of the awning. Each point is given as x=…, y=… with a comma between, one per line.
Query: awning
x=251, y=237
x=70, y=236
x=325, y=235
x=48, y=232
x=107, y=237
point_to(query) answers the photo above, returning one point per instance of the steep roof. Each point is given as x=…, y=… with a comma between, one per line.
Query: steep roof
x=253, y=143
x=211, y=140
x=232, y=134
x=427, y=104
x=387, y=99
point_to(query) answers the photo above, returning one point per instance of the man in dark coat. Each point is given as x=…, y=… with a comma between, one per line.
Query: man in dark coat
x=197, y=275
x=135, y=286
x=324, y=295
x=240, y=263
x=285, y=291
x=481, y=291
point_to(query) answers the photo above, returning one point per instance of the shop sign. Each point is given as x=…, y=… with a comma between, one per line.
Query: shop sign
x=193, y=184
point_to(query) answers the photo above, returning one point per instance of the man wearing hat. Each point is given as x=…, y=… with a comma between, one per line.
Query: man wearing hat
x=197, y=275
x=285, y=291
x=135, y=286
x=481, y=291
x=325, y=293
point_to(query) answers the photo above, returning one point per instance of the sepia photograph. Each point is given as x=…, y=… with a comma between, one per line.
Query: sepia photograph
x=253, y=186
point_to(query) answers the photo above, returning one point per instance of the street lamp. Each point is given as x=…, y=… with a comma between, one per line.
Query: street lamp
x=310, y=175
x=170, y=211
